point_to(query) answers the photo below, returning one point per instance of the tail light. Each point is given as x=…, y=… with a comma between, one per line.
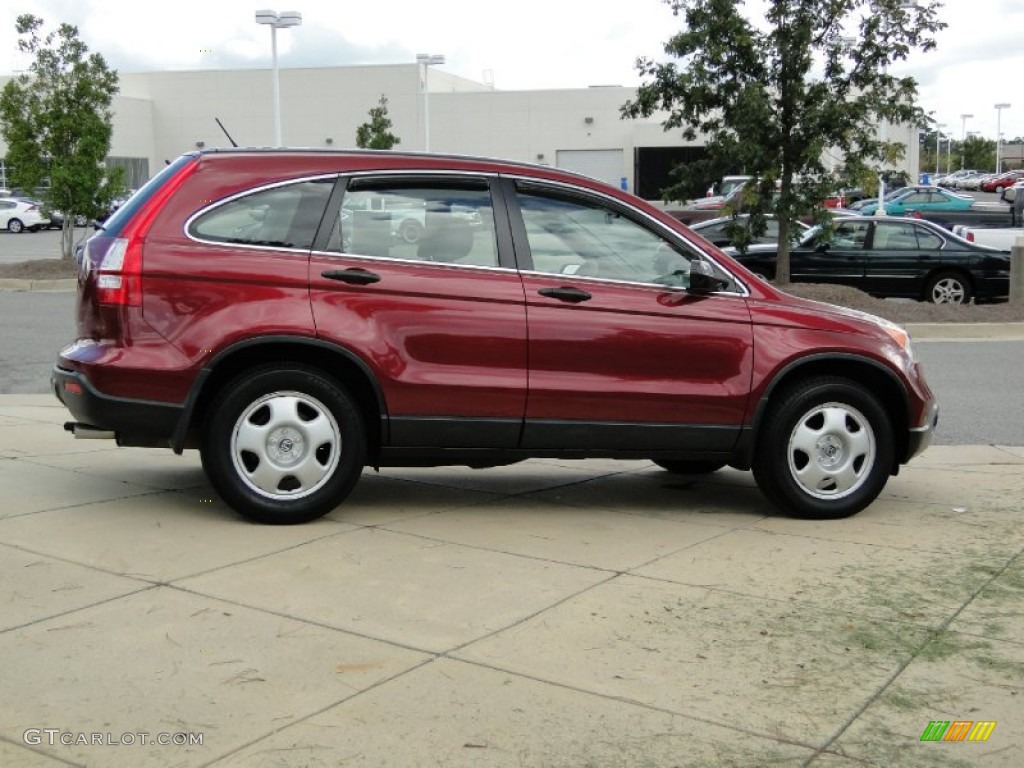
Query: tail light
x=969, y=237
x=119, y=275
x=32, y=208
x=119, y=278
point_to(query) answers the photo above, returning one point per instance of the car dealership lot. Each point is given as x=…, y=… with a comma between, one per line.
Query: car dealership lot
x=547, y=613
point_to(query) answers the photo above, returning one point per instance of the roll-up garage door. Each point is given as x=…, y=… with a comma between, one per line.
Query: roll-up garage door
x=603, y=164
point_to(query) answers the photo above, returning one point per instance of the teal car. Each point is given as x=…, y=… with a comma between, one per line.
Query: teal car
x=917, y=199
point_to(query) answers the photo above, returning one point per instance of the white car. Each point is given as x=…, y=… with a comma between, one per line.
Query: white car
x=19, y=215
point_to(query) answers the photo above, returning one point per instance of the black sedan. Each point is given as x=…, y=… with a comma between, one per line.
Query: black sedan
x=892, y=257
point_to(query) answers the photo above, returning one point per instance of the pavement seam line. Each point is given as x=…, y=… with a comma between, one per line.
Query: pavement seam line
x=632, y=702
x=41, y=753
x=70, y=611
x=933, y=635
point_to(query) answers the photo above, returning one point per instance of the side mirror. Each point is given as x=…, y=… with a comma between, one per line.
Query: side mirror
x=703, y=280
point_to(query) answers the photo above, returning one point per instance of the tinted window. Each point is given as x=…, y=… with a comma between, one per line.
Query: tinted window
x=452, y=224
x=894, y=236
x=281, y=217
x=928, y=241
x=850, y=234
x=917, y=198
x=575, y=237
x=123, y=215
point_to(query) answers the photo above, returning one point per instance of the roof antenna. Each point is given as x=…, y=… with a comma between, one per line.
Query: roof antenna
x=233, y=143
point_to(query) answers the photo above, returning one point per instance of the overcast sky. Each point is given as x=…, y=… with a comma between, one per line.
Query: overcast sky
x=520, y=44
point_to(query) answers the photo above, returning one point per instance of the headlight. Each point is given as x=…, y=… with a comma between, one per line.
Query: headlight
x=900, y=336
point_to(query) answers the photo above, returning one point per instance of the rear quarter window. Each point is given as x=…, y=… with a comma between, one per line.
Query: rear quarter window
x=284, y=216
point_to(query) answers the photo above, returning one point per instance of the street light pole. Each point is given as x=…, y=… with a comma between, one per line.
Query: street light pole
x=424, y=60
x=938, y=147
x=277, y=21
x=963, y=138
x=999, y=134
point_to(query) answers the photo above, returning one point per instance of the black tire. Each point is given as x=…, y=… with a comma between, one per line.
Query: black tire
x=14, y=226
x=948, y=288
x=293, y=472
x=690, y=467
x=847, y=428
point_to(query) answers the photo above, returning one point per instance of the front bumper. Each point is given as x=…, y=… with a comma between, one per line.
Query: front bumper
x=920, y=437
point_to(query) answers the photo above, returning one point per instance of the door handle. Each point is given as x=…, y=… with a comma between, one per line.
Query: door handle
x=566, y=293
x=354, y=276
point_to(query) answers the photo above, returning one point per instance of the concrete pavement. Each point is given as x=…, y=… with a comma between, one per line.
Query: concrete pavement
x=550, y=613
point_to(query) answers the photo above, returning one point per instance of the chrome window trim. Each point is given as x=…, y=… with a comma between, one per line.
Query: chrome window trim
x=659, y=227
x=415, y=262
x=627, y=283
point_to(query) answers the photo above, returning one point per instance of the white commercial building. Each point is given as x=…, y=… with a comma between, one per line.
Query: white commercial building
x=160, y=115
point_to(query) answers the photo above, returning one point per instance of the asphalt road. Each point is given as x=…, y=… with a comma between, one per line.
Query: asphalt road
x=978, y=383
x=27, y=246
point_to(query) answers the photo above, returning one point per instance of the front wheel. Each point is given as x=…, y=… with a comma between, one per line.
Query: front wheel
x=948, y=288
x=825, y=449
x=14, y=226
x=284, y=446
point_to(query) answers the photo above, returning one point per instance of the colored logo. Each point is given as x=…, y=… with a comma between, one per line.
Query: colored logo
x=958, y=730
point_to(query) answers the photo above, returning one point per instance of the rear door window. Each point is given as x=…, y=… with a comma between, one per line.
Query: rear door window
x=435, y=221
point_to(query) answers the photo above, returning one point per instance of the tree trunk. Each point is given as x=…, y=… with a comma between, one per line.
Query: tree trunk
x=67, y=236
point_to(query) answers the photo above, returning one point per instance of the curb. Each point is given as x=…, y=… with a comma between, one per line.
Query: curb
x=965, y=331
x=21, y=284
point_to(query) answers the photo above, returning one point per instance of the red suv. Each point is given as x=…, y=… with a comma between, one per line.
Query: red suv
x=277, y=310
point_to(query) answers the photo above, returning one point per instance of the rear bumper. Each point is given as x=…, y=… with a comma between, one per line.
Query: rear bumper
x=135, y=422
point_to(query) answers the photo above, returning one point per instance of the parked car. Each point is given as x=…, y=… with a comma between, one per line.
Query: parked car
x=890, y=196
x=950, y=179
x=893, y=258
x=1001, y=181
x=575, y=321
x=716, y=231
x=727, y=185
x=17, y=215
x=913, y=199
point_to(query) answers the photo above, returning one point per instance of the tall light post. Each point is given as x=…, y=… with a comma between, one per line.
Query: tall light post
x=425, y=60
x=963, y=138
x=999, y=135
x=938, y=147
x=277, y=21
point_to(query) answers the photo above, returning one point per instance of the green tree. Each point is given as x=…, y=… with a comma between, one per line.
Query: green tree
x=772, y=99
x=377, y=134
x=56, y=120
x=977, y=152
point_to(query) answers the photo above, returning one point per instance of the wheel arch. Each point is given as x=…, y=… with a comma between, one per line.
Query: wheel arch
x=336, y=362
x=863, y=370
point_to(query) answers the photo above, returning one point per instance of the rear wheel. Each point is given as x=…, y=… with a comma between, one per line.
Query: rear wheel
x=284, y=446
x=948, y=288
x=690, y=467
x=14, y=226
x=825, y=449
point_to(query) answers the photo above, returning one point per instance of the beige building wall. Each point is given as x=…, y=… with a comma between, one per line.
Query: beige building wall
x=161, y=115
